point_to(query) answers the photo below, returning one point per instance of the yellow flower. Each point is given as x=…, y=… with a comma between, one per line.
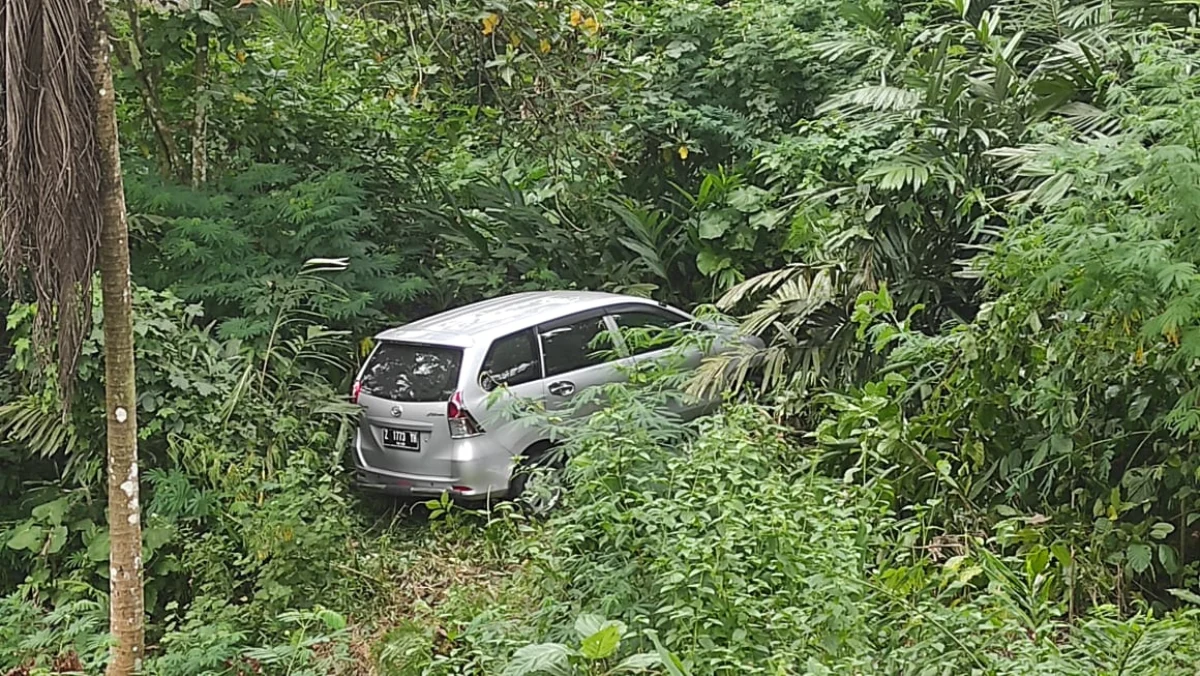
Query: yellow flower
x=683, y=152
x=544, y=46
x=590, y=26
x=490, y=22
x=515, y=40
x=576, y=17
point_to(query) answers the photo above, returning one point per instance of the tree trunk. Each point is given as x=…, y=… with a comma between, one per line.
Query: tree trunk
x=127, y=610
x=200, y=118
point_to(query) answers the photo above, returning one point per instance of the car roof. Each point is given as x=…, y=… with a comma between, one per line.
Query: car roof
x=484, y=321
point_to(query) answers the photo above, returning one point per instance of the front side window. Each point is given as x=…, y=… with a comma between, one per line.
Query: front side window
x=578, y=345
x=409, y=372
x=649, y=329
x=512, y=360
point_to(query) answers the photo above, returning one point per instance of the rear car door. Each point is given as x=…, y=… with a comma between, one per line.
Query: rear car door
x=513, y=362
x=578, y=352
x=404, y=390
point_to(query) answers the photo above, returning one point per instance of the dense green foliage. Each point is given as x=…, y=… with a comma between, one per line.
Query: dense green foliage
x=967, y=233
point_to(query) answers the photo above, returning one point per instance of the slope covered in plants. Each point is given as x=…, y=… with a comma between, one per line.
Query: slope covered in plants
x=965, y=231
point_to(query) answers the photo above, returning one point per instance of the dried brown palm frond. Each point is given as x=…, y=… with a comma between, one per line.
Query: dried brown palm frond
x=49, y=178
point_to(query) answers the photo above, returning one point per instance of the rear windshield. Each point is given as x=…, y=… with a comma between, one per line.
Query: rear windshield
x=403, y=372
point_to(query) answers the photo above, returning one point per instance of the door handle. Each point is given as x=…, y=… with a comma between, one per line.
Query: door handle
x=562, y=388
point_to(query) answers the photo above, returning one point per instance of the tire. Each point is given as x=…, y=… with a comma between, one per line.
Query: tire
x=541, y=463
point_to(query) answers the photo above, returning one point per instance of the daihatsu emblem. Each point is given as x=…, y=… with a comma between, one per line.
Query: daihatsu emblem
x=397, y=411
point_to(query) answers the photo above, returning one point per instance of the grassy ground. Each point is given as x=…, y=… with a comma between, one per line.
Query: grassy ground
x=438, y=576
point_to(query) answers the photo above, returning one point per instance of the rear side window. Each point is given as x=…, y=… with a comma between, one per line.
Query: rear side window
x=576, y=346
x=512, y=360
x=404, y=372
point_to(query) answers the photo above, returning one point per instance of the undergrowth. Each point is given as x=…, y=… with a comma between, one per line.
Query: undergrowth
x=717, y=549
x=714, y=547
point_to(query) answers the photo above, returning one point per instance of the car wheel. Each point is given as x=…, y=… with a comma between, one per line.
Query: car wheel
x=538, y=483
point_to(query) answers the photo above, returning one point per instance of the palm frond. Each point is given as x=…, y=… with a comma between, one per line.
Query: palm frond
x=903, y=172
x=880, y=97
x=27, y=422
x=767, y=280
x=1088, y=119
x=803, y=314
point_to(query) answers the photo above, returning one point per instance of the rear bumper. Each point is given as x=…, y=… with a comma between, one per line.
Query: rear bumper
x=415, y=486
x=472, y=481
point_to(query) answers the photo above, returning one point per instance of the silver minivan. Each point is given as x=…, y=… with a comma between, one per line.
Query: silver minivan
x=432, y=422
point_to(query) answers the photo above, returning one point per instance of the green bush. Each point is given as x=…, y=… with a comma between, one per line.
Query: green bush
x=717, y=547
x=238, y=248
x=725, y=546
x=246, y=510
x=1065, y=412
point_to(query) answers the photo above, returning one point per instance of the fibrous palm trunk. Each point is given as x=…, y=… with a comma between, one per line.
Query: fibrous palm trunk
x=62, y=207
x=127, y=610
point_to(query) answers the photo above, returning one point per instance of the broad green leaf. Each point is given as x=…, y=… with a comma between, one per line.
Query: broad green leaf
x=968, y=573
x=51, y=512
x=766, y=219
x=29, y=536
x=1139, y=556
x=709, y=262
x=58, y=538
x=674, y=665
x=1061, y=445
x=1062, y=553
x=638, y=662
x=1138, y=407
x=210, y=17
x=1036, y=560
x=1168, y=558
x=714, y=224
x=98, y=548
x=1185, y=595
x=1035, y=322
x=748, y=199
x=155, y=537
x=677, y=48
x=540, y=658
x=602, y=644
x=1161, y=530
x=588, y=624
x=332, y=619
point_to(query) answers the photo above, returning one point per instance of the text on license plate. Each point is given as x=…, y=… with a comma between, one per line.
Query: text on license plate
x=409, y=440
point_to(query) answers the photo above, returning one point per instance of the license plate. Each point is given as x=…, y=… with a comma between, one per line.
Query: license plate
x=406, y=440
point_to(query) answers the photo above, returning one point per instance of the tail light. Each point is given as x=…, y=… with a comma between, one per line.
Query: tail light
x=462, y=425
x=357, y=390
